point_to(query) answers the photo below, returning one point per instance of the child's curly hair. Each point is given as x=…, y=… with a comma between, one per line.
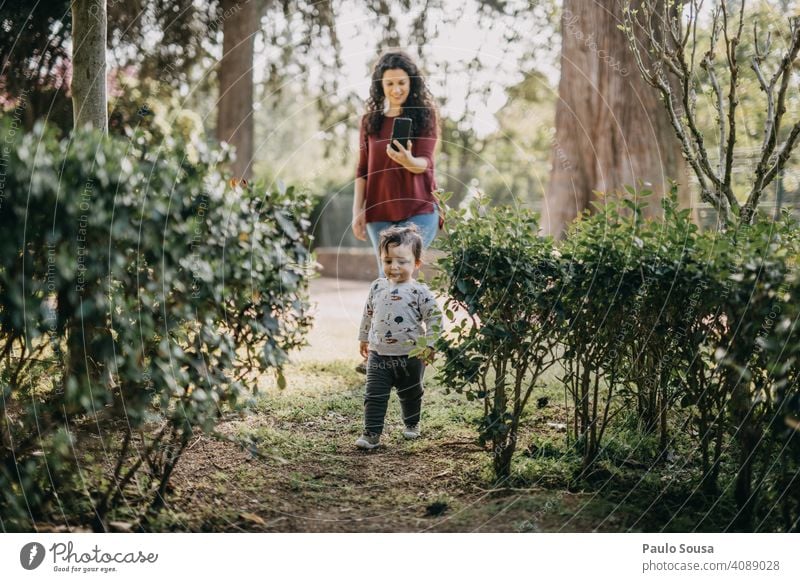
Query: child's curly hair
x=402, y=236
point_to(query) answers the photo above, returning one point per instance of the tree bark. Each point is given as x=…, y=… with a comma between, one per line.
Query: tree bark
x=89, y=29
x=611, y=129
x=235, y=75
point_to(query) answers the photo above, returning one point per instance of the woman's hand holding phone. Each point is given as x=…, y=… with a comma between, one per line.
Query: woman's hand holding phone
x=401, y=155
x=405, y=158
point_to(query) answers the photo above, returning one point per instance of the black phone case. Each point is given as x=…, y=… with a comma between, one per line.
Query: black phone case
x=401, y=131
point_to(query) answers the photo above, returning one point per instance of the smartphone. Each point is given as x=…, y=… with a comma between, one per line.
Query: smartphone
x=401, y=131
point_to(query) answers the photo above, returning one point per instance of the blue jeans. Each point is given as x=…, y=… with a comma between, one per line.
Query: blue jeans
x=428, y=225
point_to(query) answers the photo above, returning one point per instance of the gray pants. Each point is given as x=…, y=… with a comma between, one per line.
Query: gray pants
x=383, y=372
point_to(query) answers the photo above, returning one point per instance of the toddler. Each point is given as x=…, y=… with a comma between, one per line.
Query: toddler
x=398, y=311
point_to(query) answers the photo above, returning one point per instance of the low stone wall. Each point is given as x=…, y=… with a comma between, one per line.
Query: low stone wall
x=360, y=264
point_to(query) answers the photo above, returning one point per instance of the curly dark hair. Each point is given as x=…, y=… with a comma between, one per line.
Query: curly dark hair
x=419, y=105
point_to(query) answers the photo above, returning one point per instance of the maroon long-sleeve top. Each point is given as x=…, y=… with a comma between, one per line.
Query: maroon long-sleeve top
x=393, y=193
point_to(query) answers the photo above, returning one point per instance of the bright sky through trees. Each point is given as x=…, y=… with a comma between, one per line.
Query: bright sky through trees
x=458, y=37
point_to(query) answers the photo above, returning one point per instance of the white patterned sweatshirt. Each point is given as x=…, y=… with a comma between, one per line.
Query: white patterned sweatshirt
x=396, y=314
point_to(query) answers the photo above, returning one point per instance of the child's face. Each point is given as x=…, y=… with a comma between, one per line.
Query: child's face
x=399, y=263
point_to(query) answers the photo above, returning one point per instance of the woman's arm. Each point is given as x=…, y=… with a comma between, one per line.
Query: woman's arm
x=360, y=189
x=360, y=193
x=359, y=213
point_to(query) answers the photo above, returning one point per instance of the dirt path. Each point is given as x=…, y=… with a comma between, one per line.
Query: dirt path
x=405, y=487
x=317, y=480
x=308, y=476
x=390, y=490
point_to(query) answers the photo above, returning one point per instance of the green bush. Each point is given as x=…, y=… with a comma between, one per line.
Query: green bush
x=602, y=280
x=504, y=279
x=691, y=334
x=630, y=297
x=155, y=294
x=779, y=481
x=757, y=356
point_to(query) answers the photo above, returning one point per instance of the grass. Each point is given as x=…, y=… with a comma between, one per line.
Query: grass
x=308, y=476
x=289, y=464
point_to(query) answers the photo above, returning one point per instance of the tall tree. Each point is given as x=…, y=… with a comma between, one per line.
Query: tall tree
x=235, y=76
x=610, y=130
x=89, y=97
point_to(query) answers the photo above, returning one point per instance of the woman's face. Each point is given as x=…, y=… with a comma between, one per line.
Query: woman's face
x=396, y=86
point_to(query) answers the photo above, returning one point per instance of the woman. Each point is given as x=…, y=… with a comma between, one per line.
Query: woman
x=395, y=186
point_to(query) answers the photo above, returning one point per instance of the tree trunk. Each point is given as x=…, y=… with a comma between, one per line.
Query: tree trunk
x=611, y=127
x=89, y=25
x=235, y=75
x=743, y=492
x=503, y=454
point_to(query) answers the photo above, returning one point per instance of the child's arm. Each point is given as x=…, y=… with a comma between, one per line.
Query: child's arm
x=366, y=324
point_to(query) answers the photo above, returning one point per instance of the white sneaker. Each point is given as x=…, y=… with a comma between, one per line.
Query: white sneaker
x=368, y=441
x=411, y=432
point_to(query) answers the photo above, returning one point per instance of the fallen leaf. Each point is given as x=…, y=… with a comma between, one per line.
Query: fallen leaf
x=252, y=517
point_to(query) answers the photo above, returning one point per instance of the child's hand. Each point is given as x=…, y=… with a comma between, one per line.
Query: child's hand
x=428, y=356
x=364, y=349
